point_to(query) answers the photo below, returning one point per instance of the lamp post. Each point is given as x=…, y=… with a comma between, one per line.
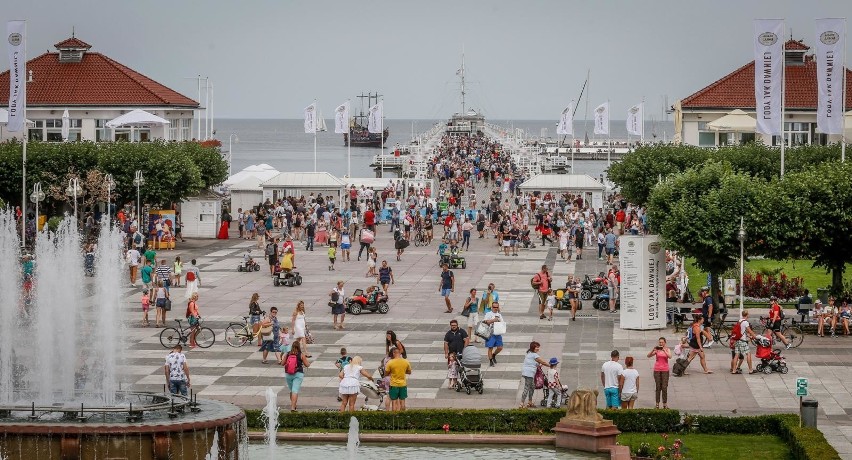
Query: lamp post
x=230, y=156
x=741, y=235
x=110, y=183
x=73, y=190
x=138, y=181
x=36, y=197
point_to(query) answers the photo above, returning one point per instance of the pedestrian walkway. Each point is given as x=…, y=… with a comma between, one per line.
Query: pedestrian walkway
x=417, y=316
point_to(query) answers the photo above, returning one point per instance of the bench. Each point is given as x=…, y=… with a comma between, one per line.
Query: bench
x=803, y=310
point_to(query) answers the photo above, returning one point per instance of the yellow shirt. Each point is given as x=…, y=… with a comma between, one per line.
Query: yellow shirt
x=397, y=368
x=287, y=263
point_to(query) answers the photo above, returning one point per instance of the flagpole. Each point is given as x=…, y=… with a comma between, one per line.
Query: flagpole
x=783, y=92
x=609, y=135
x=315, y=135
x=642, y=126
x=842, y=100
x=348, y=144
x=382, y=137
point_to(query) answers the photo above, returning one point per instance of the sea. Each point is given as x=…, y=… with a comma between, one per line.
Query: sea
x=284, y=145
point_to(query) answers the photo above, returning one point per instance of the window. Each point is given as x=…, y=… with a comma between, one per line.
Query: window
x=747, y=137
x=102, y=133
x=706, y=139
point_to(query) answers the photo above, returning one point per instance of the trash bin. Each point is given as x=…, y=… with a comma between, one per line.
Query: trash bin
x=822, y=295
x=809, y=413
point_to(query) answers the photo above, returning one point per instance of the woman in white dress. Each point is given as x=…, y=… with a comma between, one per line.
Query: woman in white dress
x=300, y=329
x=350, y=385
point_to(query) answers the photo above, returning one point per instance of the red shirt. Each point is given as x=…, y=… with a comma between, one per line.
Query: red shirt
x=775, y=311
x=369, y=217
x=619, y=216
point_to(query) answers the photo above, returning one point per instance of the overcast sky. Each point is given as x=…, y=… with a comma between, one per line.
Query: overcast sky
x=524, y=59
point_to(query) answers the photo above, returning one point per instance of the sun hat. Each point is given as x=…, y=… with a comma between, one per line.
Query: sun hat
x=554, y=361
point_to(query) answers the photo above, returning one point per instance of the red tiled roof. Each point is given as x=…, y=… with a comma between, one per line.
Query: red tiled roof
x=736, y=90
x=94, y=81
x=73, y=42
x=794, y=45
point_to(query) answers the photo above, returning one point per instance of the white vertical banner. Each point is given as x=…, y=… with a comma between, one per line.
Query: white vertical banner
x=566, y=121
x=602, y=118
x=635, y=117
x=16, y=32
x=311, y=119
x=341, y=118
x=643, y=279
x=374, y=117
x=768, y=68
x=830, y=46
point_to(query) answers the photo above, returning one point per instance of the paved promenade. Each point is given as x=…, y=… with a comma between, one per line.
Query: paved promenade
x=417, y=315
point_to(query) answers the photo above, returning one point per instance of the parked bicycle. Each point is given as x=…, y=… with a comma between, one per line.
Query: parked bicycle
x=793, y=334
x=171, y=336
x=238, y=334
x=420, y=239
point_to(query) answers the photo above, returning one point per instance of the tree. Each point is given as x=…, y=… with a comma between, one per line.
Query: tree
x=639, y=171
x=697, y=213
x=808, y=216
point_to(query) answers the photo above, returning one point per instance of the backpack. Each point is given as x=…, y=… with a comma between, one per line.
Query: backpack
x=535, y=281
x=539, y=378
x=291, y=364
x=137, y=239
x=270, y=249
x=190, y=276
x=737, y=331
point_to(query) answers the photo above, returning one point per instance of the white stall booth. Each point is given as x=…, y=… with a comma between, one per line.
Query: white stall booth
x=590, y=189
x=201, y=215
x=297, y=184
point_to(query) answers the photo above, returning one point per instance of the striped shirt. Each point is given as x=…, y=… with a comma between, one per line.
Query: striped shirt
x=163, y=272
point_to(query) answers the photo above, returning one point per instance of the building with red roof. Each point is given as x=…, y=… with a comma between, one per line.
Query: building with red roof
x=736, y=91
x=95, y=89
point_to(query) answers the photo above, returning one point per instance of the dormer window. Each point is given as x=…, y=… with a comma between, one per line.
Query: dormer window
x=72, y=49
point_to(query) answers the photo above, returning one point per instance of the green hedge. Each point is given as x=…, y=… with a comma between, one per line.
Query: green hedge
x=804, y=443
x=462, y=421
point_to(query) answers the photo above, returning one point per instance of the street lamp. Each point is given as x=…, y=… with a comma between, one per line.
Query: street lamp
x=230, y=156
x=36, y=197
x=138, y=181
x=110, y=183
x=741, y=235
x=74, y=190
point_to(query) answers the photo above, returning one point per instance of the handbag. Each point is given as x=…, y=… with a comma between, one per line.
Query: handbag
x=483, y=330
x=499, y=328
x=466, y=311
x=167, y=305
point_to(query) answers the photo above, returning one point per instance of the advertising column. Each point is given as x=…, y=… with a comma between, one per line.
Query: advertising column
x=643, y=278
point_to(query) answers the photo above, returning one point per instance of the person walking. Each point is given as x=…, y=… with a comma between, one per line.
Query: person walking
x=609, y=379
x=337, y=305
x=471, y=306
x=495, y=341
x=455, y=340
x=531, y=362
x=177, y=371
x=294, y=364
x=177, y=270
x=391, y=341
x=447, y=286
x=776, y=318
x=133, y=259
x=300, y=328
x=350, y=385
x=385, y=277
x=740, y=336
x=661, y=354
x=193, y=279
x=541, y=281
x=554, y=385
x=628, y=384
x=399, y=369
x=271, y=341
x=695, y=346
x=161, y=297
x=193, y=317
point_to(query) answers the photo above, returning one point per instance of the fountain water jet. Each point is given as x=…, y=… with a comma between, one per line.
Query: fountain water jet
x=270, y=414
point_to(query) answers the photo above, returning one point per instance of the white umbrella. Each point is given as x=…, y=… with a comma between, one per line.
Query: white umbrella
x=136, y=118
x=678, y=122
x=735, y=121
x=66, y=121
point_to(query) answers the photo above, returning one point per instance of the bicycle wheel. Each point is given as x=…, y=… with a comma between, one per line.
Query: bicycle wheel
x=205, y=337
x=170, y=337
x=724, y=333
x=237, y=335
x=794, y=336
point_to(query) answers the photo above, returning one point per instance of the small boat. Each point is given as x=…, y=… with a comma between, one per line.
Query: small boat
x=358, y=132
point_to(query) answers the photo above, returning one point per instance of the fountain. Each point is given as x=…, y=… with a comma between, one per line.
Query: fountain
x=270, y=414
x=352, y=441
x=61, y=339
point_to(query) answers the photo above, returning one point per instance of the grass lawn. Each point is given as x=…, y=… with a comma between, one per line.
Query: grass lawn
x=814, y=278
x=716, y=446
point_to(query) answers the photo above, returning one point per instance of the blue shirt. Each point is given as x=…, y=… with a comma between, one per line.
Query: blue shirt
x=530, y=364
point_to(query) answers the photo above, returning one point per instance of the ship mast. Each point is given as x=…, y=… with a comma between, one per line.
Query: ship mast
x=461, y=73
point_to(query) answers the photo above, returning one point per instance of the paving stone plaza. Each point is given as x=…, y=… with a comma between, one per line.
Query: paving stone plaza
x=417, y=316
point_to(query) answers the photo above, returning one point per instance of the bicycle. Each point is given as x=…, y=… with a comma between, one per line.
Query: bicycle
x=420, y=239
x=238, y=334
x=793, y=334
x=171, y=336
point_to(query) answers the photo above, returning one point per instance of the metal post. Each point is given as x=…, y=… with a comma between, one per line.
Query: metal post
x=24, y=182
x=783, y=92
x=741, y=235
x=138, y=181
x=230, y=155
x=36, y=197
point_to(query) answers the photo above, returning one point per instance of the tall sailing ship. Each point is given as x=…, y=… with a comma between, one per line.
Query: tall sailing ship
x=358, y=132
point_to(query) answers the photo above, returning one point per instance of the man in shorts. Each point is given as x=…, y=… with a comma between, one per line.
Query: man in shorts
x=542, y=281
x=447, y=286
x=609, y=379
x=741, y=349
x=177, y=371
x=398, y=369
x=495, y=342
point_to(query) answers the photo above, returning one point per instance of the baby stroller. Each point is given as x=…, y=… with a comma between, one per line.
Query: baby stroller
x=563, y=397
x=374, y=390
x=469, y=363
x=89, y=264
x=770, y=360
x=526, y=241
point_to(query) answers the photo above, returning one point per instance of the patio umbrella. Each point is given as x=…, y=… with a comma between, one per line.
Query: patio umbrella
x=678, y=123
x=66, y=121
x=735, y=121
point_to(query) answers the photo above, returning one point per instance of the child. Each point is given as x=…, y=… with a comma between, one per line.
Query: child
x=176, y=271
x=681, y=349
x=452, y=371
x=442, y=248
x=341, y=363
x=554, y=385
x=332, y=254
x=146, y=305
x=284, y=342
x=550, y=302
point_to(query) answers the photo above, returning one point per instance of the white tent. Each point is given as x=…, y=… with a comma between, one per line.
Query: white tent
x=136, y=117
x=303, y=183
x=263, y=171
x=735, y=121
x=591, y=190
